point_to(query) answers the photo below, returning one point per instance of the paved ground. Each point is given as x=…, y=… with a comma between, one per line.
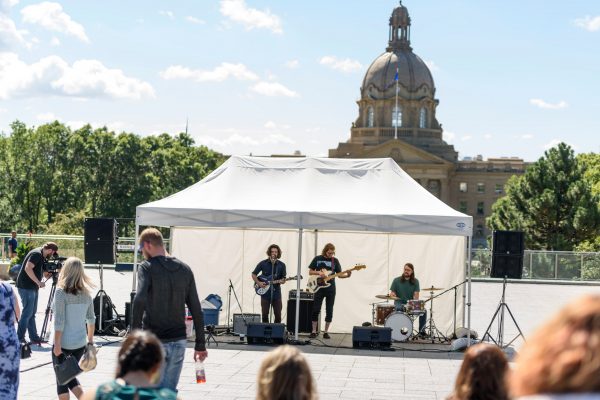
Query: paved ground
x=413, y=371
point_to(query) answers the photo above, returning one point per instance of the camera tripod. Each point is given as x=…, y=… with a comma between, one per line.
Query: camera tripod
x=45, y=334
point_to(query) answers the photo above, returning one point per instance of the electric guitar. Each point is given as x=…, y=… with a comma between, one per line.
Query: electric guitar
x=316, y=282
x=267, y=279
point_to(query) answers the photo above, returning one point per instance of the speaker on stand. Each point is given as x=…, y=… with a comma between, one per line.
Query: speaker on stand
x=100, y=244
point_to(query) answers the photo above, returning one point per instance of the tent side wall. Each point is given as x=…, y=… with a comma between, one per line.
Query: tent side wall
x=217, y=255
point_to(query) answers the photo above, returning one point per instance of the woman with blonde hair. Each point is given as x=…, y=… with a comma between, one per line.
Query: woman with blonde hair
x=285, y=375
x=482, y=374
x=73, y=310
x=562, y=358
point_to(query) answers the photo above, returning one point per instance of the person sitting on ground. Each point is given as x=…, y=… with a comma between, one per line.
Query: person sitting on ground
x=482, y=374
x=285, y=375
x=561, y=360
x=138, y=370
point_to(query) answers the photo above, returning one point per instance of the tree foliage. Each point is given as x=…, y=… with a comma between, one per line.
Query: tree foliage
x=53, y=176
x=552, y=203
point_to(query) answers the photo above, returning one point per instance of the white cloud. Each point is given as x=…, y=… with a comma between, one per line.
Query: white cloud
x=251, y=18
x=9, y=34
x=55, y=42
x=218, y=74
x=449, y=136
x=245, y=140
x=527, y=136
x=588, y=23
x=168, y=14
x=466, y=138
x=47, y=116
x=54, y=76
x=292, y=64
x=194, y=20
x=313, y=130
x=345, y=65
x=488, y=136
x=6, y=5
x=273, y=89
x=554, y=142
x=52, y=17
x=432, y=66
x=542, y=104
x=270, y=125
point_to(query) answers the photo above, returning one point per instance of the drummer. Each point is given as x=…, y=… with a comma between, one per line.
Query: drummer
x=406, y=287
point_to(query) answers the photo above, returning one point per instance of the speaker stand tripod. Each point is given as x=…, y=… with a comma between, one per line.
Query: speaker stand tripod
x=499, y=341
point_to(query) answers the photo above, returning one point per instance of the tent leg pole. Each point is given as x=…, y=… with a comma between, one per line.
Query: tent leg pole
x=298, y=284
x=469, y=239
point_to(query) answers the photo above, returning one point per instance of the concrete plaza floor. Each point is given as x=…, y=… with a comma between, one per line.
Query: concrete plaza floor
x=413, y=371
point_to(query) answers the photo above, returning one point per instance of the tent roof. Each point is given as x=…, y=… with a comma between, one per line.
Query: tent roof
x=311, y=193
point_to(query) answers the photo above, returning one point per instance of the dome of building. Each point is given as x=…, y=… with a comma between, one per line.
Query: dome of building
x=413, y=73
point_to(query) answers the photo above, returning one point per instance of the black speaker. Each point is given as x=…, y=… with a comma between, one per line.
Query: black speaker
x=263, y=333
x=508, y=243
x=372, y=337
x=507, y=266
x=100, y=239
x=304, y=321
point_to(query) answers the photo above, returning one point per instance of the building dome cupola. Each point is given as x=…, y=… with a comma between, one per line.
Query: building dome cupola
x=399, y=29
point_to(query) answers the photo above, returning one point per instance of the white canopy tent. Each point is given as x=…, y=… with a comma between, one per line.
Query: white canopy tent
x=370, y=209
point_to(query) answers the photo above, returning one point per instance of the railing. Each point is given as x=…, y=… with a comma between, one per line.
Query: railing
x=544, y=265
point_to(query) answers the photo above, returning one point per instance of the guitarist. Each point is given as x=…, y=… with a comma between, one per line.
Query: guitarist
x=323, y=265
x=273, y=269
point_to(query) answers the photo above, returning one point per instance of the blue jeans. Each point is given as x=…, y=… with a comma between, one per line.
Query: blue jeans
x=29, y=298
x=171, y=369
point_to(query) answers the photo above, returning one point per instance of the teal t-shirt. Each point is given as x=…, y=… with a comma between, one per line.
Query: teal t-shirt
x=404, y=290
x=119, y=390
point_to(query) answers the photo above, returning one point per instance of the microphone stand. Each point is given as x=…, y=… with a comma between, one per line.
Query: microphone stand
x=272, y=289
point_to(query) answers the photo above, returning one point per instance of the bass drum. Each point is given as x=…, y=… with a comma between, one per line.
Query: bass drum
x=401, y=324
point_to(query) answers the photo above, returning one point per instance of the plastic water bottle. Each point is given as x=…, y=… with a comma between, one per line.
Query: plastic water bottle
x=200, y=374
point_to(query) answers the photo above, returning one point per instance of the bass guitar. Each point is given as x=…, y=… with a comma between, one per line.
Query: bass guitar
x=267, y=280
x=316, y=282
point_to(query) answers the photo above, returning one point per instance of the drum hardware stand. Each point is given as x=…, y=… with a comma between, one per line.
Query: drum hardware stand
x=434, y=332
x=455, y=287
x=210, y=329
x=500, y=314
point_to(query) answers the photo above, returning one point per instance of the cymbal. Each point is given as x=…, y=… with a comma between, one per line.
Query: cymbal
x=386, y=297
x=432, y=288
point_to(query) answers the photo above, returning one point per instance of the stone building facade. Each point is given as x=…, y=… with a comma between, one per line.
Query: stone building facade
x=397, y=119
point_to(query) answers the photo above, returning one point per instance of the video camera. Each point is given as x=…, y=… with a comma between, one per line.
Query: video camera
x=53, y=265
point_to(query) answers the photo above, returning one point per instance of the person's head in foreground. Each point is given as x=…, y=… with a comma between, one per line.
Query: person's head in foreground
x=285, y=375
x=563, y=355
x=482, y=374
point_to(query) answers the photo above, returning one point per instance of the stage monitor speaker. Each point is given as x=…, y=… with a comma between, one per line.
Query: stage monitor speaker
x=304, y=322
x=100, y=239
x=508, y=243
x=262, y=333
x=510, y=267
x=372, y=337
x=239, y=326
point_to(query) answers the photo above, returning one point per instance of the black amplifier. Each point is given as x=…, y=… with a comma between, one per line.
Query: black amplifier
x=303, y=295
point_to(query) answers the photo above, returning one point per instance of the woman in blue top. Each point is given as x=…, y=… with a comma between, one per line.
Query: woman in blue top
x=140, y=359
x=73, y=310
x=9, y=356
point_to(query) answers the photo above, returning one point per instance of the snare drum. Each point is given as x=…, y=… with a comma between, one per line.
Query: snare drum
x=415, y=306
x=383, y=310
x=401, y=324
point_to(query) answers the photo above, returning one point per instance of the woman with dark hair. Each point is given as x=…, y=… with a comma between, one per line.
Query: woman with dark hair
x=482, y=374
x=138, y=369
x=323, y=265
x=285, y=375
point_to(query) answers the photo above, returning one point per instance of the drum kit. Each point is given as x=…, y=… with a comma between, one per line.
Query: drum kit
x=401, y=322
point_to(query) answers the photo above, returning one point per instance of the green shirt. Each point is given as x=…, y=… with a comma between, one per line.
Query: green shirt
x=404, y=289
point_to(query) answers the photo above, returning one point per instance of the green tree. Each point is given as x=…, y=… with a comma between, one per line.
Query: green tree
x=551, y=202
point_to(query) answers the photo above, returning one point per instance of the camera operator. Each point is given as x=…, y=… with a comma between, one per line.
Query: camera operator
x=29, y=282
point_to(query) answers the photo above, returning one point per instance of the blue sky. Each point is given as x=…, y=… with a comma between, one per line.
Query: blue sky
x=270, y=77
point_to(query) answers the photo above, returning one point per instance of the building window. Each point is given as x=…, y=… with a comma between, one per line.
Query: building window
x=462, y=187
x=433, y=185
x=370, y=117
x=463, y=207
x=479, y=231
x=480, y=208
x=498, y=189
x=397, y=117
x=423, y=118
x=481, y=187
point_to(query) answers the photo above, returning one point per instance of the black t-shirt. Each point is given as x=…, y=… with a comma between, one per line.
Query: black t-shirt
x=267, y=269
x=320, y=262
x=23, y=280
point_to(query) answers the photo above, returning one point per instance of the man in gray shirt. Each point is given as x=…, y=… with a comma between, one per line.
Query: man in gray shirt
x=165, y=286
